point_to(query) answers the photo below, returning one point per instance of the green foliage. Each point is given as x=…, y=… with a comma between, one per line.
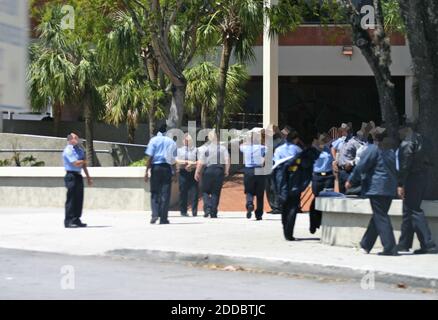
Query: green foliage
x=139, y=163
x=5, y=163
x=202, y=92
x=393, y=19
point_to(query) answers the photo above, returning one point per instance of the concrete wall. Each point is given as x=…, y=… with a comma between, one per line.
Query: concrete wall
x=345, y=220
x=102, y=131
x=109, y=154
x=329, y=61
x=114, y=188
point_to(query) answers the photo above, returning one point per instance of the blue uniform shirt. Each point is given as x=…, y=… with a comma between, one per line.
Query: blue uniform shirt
x=253, y=155
x=286, y=150
x=337, y=144
x=70, y=155
x=324, y=163
x=162, y=149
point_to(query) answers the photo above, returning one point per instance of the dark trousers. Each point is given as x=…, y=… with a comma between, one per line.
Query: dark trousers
x=414, y=220
x=188, y=186
x=380, y=225
x=212, y=180
x=343, y=178
x=254, y=187
x=319, y=183
x=75, y=196
x=272, y=196
x=289, y=215
x=161, y=182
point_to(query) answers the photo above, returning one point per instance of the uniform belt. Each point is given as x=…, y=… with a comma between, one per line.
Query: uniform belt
x=74, y=172
x=324, y=174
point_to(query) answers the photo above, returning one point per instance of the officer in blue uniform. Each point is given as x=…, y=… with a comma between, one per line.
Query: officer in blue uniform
x=323, y=178
x=74, y=162
x=254, y=182
x=161, y=153
x=378, y=173
x=186, y=161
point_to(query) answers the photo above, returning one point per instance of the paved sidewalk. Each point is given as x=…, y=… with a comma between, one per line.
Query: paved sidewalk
x=231, y=239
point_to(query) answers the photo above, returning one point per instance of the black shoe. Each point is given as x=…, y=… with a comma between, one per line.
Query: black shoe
x=154, y=220
x=250, y=209
x=79, y=223
x=290, y=238
x=206, y=214
x=402, y=249
x=195, y=214
x=259, y=218
x=184, y=214
x=433, y=250
x=388, y=253
x=313, y=230
x=213, y=216
x=71, y=225
x=164, y=222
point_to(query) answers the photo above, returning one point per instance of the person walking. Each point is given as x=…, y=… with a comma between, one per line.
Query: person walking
x=213, y=166
x=254, y=182
x=323, y=178
x=377, y=170
x=74, y=162
x=186, y=161
x=412, y=183
x=160, y=156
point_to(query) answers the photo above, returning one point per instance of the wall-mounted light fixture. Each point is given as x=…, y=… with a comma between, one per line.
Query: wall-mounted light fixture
x=348, y=51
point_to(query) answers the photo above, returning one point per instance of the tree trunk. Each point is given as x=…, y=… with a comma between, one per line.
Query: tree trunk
x=204, y=117
x=179, y=95
x=421, y=21
x=152, y=120
x=222, y=81
x=375, y=46
x=57, y=113
x=131, y=132
x=89, y=132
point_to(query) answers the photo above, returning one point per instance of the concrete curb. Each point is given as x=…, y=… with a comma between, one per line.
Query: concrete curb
x=293, y=268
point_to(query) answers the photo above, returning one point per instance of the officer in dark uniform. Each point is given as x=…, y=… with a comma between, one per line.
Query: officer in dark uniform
x=186, y=166
x=74, y=162
x=161, y=153
x=292, y=176
x=378, y=173
x=323, y=178
x=412, y=182
x=214, y=164
x=254, y=181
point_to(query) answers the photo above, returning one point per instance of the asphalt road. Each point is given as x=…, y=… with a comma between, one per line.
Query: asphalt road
x=31, y=275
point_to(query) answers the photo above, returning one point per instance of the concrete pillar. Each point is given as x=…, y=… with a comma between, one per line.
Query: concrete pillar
x=270, y=75
x=411, y=103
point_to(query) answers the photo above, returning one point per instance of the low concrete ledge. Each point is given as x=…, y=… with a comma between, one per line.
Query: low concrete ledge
x=115, y=188
x=346, y=219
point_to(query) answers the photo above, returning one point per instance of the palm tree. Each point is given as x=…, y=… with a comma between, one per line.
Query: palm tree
x=235, y=25
x=51, y=72
x=128, y=101
x=131, y=61
x=201, y=93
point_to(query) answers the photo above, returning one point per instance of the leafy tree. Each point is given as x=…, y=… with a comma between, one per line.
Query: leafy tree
x=201, y=94
x=235, y=25
x=159, y=21
x=51, y=72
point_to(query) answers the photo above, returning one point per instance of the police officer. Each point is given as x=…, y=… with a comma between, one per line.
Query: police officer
x=214, y=165
x=323, y=178
x=278, y=138
x=254, y=182
x=161, y=153
x=377, y=170
x=74, y=162
x=186, y=166
x=346, y=158
x=412, y=183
